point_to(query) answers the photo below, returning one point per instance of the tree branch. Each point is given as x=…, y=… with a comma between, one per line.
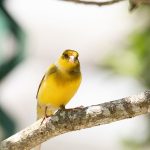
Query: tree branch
x=78, y=118
x=94, y=2
x=133, y=3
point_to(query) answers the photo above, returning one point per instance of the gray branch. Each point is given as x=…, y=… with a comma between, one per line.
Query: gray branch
x=76, y=119
x=133, y=3
x=109, y=2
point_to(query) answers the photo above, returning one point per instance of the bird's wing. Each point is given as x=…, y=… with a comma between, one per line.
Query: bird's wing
x=52, y=69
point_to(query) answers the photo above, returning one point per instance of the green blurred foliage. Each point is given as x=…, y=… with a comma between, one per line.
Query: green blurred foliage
x=141, y=47
x=134, y=60
x=9, y=30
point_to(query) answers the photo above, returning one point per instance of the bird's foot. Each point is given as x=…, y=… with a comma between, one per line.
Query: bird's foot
x=62, y=108
x=44, y=118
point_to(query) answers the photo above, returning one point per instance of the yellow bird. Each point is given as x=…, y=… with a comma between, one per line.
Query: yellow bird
x=59, y=84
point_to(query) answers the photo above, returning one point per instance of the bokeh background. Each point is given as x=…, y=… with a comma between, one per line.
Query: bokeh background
x=114, y=48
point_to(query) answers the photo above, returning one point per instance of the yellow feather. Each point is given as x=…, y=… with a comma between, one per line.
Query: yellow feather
x=59, y=85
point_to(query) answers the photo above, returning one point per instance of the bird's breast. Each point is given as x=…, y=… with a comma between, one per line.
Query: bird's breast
x=58, y=89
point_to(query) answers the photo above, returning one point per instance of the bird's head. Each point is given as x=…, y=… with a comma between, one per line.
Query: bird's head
x=69, y=61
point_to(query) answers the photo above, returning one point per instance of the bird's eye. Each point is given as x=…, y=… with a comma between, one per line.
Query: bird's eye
x=66, y=56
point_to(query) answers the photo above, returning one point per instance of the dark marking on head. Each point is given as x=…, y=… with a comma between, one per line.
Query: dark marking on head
x=67, y=53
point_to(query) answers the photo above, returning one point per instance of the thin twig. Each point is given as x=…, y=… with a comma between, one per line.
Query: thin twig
x=78, y=118
x=94, y=2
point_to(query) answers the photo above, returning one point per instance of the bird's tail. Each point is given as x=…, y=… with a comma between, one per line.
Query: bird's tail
x=38, y=147
x=41, y=114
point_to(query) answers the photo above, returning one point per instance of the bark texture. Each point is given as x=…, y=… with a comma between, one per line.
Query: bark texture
x=78, y=118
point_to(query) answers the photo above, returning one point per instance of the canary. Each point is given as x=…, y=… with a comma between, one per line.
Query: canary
x=59, y=84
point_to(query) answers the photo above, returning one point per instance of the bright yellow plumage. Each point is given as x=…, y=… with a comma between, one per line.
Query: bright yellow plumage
x=59, y=84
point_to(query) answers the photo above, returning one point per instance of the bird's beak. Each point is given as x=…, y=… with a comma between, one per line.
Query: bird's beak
x=71, y=58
